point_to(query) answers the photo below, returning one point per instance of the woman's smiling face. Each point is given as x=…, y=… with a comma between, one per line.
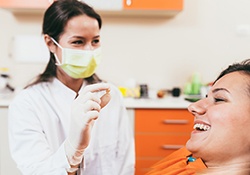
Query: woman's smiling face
x=222, y=121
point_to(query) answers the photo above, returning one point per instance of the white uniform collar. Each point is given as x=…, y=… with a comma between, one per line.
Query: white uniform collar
x=66, y=90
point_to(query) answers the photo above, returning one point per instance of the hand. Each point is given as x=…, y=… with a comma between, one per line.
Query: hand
x=105, y=99
x=85, y=109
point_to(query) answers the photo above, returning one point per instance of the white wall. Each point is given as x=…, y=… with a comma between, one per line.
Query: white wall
x=162, y=52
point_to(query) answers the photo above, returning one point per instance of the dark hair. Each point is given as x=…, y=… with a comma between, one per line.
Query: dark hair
x=243, y=67
x=54, y=22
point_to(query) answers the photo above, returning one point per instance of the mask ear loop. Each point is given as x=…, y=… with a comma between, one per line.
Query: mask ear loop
x=57, y=60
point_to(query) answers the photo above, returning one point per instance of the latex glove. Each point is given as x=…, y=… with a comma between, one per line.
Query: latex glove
x=85, y=110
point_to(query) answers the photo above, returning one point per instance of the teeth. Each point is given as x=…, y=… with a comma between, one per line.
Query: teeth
x=201, y=127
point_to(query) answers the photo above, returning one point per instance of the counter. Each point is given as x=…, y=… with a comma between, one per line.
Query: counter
x=130, y=103
x=5, y=102
x=160, y=103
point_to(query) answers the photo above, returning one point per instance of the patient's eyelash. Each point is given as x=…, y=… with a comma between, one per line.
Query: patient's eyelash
x=219, y=99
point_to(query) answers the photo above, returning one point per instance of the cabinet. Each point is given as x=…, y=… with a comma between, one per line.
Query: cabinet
x=126, y=7
x=158, y=133
x=25, y=4
x=7, y=165
x=175, y=5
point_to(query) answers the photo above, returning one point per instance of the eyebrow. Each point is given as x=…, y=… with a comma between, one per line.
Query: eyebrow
x=80, y=37
x=220, y=89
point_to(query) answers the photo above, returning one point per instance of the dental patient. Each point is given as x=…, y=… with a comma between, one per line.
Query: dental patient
x=220, y=141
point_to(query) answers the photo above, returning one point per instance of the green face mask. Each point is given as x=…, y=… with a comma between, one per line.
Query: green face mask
x=79, y=63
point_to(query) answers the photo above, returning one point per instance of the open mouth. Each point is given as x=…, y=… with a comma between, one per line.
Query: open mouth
x=201, y=127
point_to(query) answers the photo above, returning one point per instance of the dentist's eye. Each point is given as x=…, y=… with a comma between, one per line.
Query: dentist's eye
x=96, y=41
x=78, y=42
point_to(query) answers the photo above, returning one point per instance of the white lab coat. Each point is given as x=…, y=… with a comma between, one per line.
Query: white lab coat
x=39, y=119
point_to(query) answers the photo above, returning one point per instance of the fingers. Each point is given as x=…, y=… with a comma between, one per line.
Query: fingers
x=91, y=115
x=105, y=99
x=91, y=100
x=94, y=93
x=95, y=88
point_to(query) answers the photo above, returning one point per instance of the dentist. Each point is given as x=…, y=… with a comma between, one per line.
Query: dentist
x=68, y=121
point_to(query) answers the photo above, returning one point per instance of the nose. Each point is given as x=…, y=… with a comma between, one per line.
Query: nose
x=198, y=108
x=88, y=46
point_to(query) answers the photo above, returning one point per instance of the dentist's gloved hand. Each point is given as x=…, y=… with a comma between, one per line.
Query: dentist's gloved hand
x=85, y=110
